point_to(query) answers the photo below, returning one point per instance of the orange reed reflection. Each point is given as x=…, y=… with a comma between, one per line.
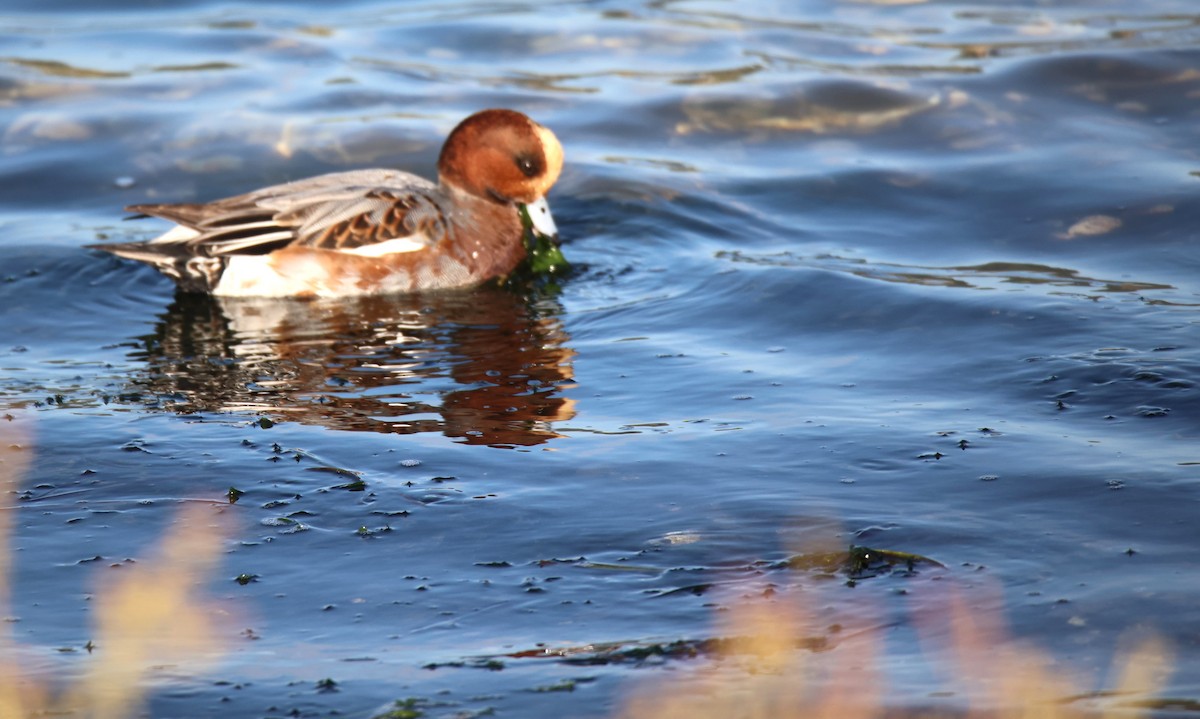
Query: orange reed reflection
x=486, y=366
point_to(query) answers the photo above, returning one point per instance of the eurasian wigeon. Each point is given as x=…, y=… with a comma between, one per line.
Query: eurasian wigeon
x=369, y=231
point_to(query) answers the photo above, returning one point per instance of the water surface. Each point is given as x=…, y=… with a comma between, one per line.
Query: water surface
x=913, y=276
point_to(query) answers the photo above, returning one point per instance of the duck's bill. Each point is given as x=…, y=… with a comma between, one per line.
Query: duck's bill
x=540, y=218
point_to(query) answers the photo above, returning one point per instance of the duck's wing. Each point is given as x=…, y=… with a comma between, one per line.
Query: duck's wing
x=367, y=212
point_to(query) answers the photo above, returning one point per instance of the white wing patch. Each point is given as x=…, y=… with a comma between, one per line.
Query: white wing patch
x=388, y=247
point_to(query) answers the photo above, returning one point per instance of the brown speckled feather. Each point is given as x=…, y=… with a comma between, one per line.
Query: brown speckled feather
x=390, y=215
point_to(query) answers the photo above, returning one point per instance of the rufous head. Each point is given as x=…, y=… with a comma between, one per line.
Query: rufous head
x=501, y=155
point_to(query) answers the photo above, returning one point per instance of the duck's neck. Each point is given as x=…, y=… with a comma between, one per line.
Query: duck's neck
x=486, y=236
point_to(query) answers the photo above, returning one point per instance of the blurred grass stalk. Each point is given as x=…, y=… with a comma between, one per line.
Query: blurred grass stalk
x=765, y=672
x=147, y=615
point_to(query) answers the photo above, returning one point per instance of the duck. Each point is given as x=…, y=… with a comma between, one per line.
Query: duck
x=369, y=231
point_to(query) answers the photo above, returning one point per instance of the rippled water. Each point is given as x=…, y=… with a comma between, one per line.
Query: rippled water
x=918, y=276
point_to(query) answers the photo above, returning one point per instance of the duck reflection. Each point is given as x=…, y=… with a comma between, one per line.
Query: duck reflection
x=486, y=366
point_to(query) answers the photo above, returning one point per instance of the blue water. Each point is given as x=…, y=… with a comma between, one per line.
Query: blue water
x=919, y=277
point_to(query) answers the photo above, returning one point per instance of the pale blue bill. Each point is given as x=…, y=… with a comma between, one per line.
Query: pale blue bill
x=540, y=217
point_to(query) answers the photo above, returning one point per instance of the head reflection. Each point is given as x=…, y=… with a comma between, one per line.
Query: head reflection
x=486, y=366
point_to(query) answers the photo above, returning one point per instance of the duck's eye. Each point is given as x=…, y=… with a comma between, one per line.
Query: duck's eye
x=528, y=166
